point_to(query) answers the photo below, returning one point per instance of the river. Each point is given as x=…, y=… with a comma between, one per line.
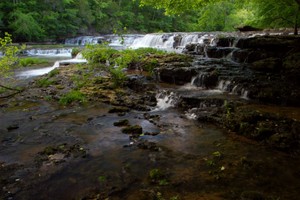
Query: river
x=53, y=152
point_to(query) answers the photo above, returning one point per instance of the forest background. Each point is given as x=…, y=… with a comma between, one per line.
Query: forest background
x=55, y=20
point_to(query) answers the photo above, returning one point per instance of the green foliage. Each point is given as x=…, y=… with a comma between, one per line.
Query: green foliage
x=25, y=27
x=26, y=62
x=9, y=58
x=118, y=76
x=275, y=14
x=72, y=96
x=42, y=20
x=44, y=82
x=115, y=62
x=97, y=54
x=155, y=174
x=53, y=73
x=74, y=52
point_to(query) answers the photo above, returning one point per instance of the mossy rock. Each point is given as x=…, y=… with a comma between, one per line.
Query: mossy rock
x=123, y=122
x=118, y=110
x=267, y=65
x=134, y=130
x=292, y=61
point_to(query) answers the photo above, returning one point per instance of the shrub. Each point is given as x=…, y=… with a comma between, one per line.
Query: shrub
x=74, y=52
x=96, y=54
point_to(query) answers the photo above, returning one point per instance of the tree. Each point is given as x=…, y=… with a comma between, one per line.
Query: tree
x=264, y=13
x=9, y=58
x=25, y=27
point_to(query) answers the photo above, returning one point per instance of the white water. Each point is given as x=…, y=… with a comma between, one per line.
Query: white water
x=115, y=41
x=165, y=100
x=61, y=52
x=38, y=72
x=168, y=41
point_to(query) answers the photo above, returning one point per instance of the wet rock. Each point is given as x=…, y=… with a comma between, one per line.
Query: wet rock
x=292, y=61
x=12, y=127
x=219, y=52
x=177, y=41
x=268, y=128
x=147, y=145
x=177, y=76
x=139, y=83
x=118, y=110
x=271, y=43
x=123, y=122
x=252, y=195
x=248, y=28
x=134, y=130
x=225, y=41
x=206, y=80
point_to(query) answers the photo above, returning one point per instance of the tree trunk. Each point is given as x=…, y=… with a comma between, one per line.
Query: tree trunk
x=296, y=18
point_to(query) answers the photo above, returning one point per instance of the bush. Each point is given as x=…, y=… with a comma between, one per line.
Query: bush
x=74, y=52
x=96, y=54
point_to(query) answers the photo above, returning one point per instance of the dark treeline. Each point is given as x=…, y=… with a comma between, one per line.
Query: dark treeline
x=43, y=20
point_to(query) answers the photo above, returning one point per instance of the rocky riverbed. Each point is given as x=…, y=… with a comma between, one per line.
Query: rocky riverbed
x=216, y=124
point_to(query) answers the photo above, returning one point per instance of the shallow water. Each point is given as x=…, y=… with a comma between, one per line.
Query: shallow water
x=198, y=160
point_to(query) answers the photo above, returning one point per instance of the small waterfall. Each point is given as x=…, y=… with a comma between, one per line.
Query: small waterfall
x=224, y=85
x=115, y=41
x=38, y=72
x=62, y=52
x=149, y=40
x=199, y=80
x=188, y=39
x=244, y=94
x=166, y=99
x=84, y=40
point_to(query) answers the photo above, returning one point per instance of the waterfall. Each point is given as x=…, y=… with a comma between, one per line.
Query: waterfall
x=115, y=41
x=244, y=94
x=172, y=41
x=149, y=40
x=37, y=72
x=224, y=85
x=83, y=40
x=61, y=52
x=199, y=80
x=166, y=99
x=42, y=71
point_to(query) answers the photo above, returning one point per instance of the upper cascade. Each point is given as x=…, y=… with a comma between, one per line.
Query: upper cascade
x=192, y=42
x=174, y=41
x=113, y=40
x=165, y=41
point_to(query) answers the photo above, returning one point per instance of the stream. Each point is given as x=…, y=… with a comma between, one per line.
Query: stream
x=53, y=152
